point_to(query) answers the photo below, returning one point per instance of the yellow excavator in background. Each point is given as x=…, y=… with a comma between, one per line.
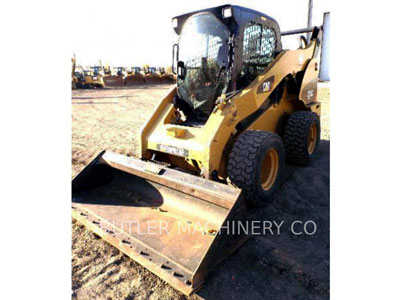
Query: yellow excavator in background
x=217, y=142
x=78, y=75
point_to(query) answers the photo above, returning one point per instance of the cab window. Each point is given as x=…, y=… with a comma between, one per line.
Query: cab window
x=259, y=45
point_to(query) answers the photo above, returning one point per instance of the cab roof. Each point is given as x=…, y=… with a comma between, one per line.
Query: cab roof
x=240, y=17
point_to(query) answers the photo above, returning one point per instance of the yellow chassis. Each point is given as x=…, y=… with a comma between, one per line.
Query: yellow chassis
x=205, y=149
x=89, y=80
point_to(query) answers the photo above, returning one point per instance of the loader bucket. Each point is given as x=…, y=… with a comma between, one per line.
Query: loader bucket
x=134, y=80
x=173, y=223
x=113, y=80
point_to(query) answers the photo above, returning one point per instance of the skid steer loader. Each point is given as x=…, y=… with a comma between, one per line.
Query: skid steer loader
x=218, y=141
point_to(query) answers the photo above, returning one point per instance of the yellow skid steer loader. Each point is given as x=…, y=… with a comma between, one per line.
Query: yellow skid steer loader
x=217, y=142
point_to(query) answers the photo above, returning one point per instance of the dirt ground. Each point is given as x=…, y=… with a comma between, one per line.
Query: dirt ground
x=284, y=266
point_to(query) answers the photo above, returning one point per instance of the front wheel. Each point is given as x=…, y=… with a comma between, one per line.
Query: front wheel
x=256, y=165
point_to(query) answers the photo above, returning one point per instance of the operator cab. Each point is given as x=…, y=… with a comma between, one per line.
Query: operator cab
x=220, y=50
x=80, y=76
x=121, y=71
x=97, y=70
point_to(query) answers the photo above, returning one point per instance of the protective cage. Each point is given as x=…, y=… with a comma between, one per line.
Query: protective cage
x=237, y=23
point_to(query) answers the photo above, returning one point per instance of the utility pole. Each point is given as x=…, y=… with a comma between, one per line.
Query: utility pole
x=309, y=21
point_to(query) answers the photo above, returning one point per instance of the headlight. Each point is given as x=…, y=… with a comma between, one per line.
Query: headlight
x=174, y=22
x=227, y=12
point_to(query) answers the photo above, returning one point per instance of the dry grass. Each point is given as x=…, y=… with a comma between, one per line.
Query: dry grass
x=109, y=119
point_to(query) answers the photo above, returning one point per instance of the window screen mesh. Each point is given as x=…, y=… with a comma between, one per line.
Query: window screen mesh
x=259, y=44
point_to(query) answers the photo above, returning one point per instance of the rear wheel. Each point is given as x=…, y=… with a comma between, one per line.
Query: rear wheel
x=256, y=164
x=301, y=137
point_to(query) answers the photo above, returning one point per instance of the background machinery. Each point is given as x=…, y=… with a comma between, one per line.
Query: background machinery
x=107, y=70
x=171, y=74
x=165, y=77
x=216, y=143
x=78, y=77
x=135, y=77
x=93, y=77
x=74, y=78
x=116, y=78
x=151, y=75
x=79, y=74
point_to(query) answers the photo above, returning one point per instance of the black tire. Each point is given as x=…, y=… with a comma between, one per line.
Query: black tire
x=296, y=137
x=249, y=153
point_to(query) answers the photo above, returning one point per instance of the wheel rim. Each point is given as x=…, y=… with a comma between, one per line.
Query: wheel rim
x=269, y=169
x=312, y=139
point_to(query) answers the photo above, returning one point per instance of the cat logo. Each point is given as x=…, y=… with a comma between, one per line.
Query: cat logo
x=267, y=85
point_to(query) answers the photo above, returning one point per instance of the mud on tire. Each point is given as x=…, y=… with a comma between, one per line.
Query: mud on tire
x=250, y=159
x=301, y=137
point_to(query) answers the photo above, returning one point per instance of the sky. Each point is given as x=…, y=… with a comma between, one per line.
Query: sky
x=133, y=33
